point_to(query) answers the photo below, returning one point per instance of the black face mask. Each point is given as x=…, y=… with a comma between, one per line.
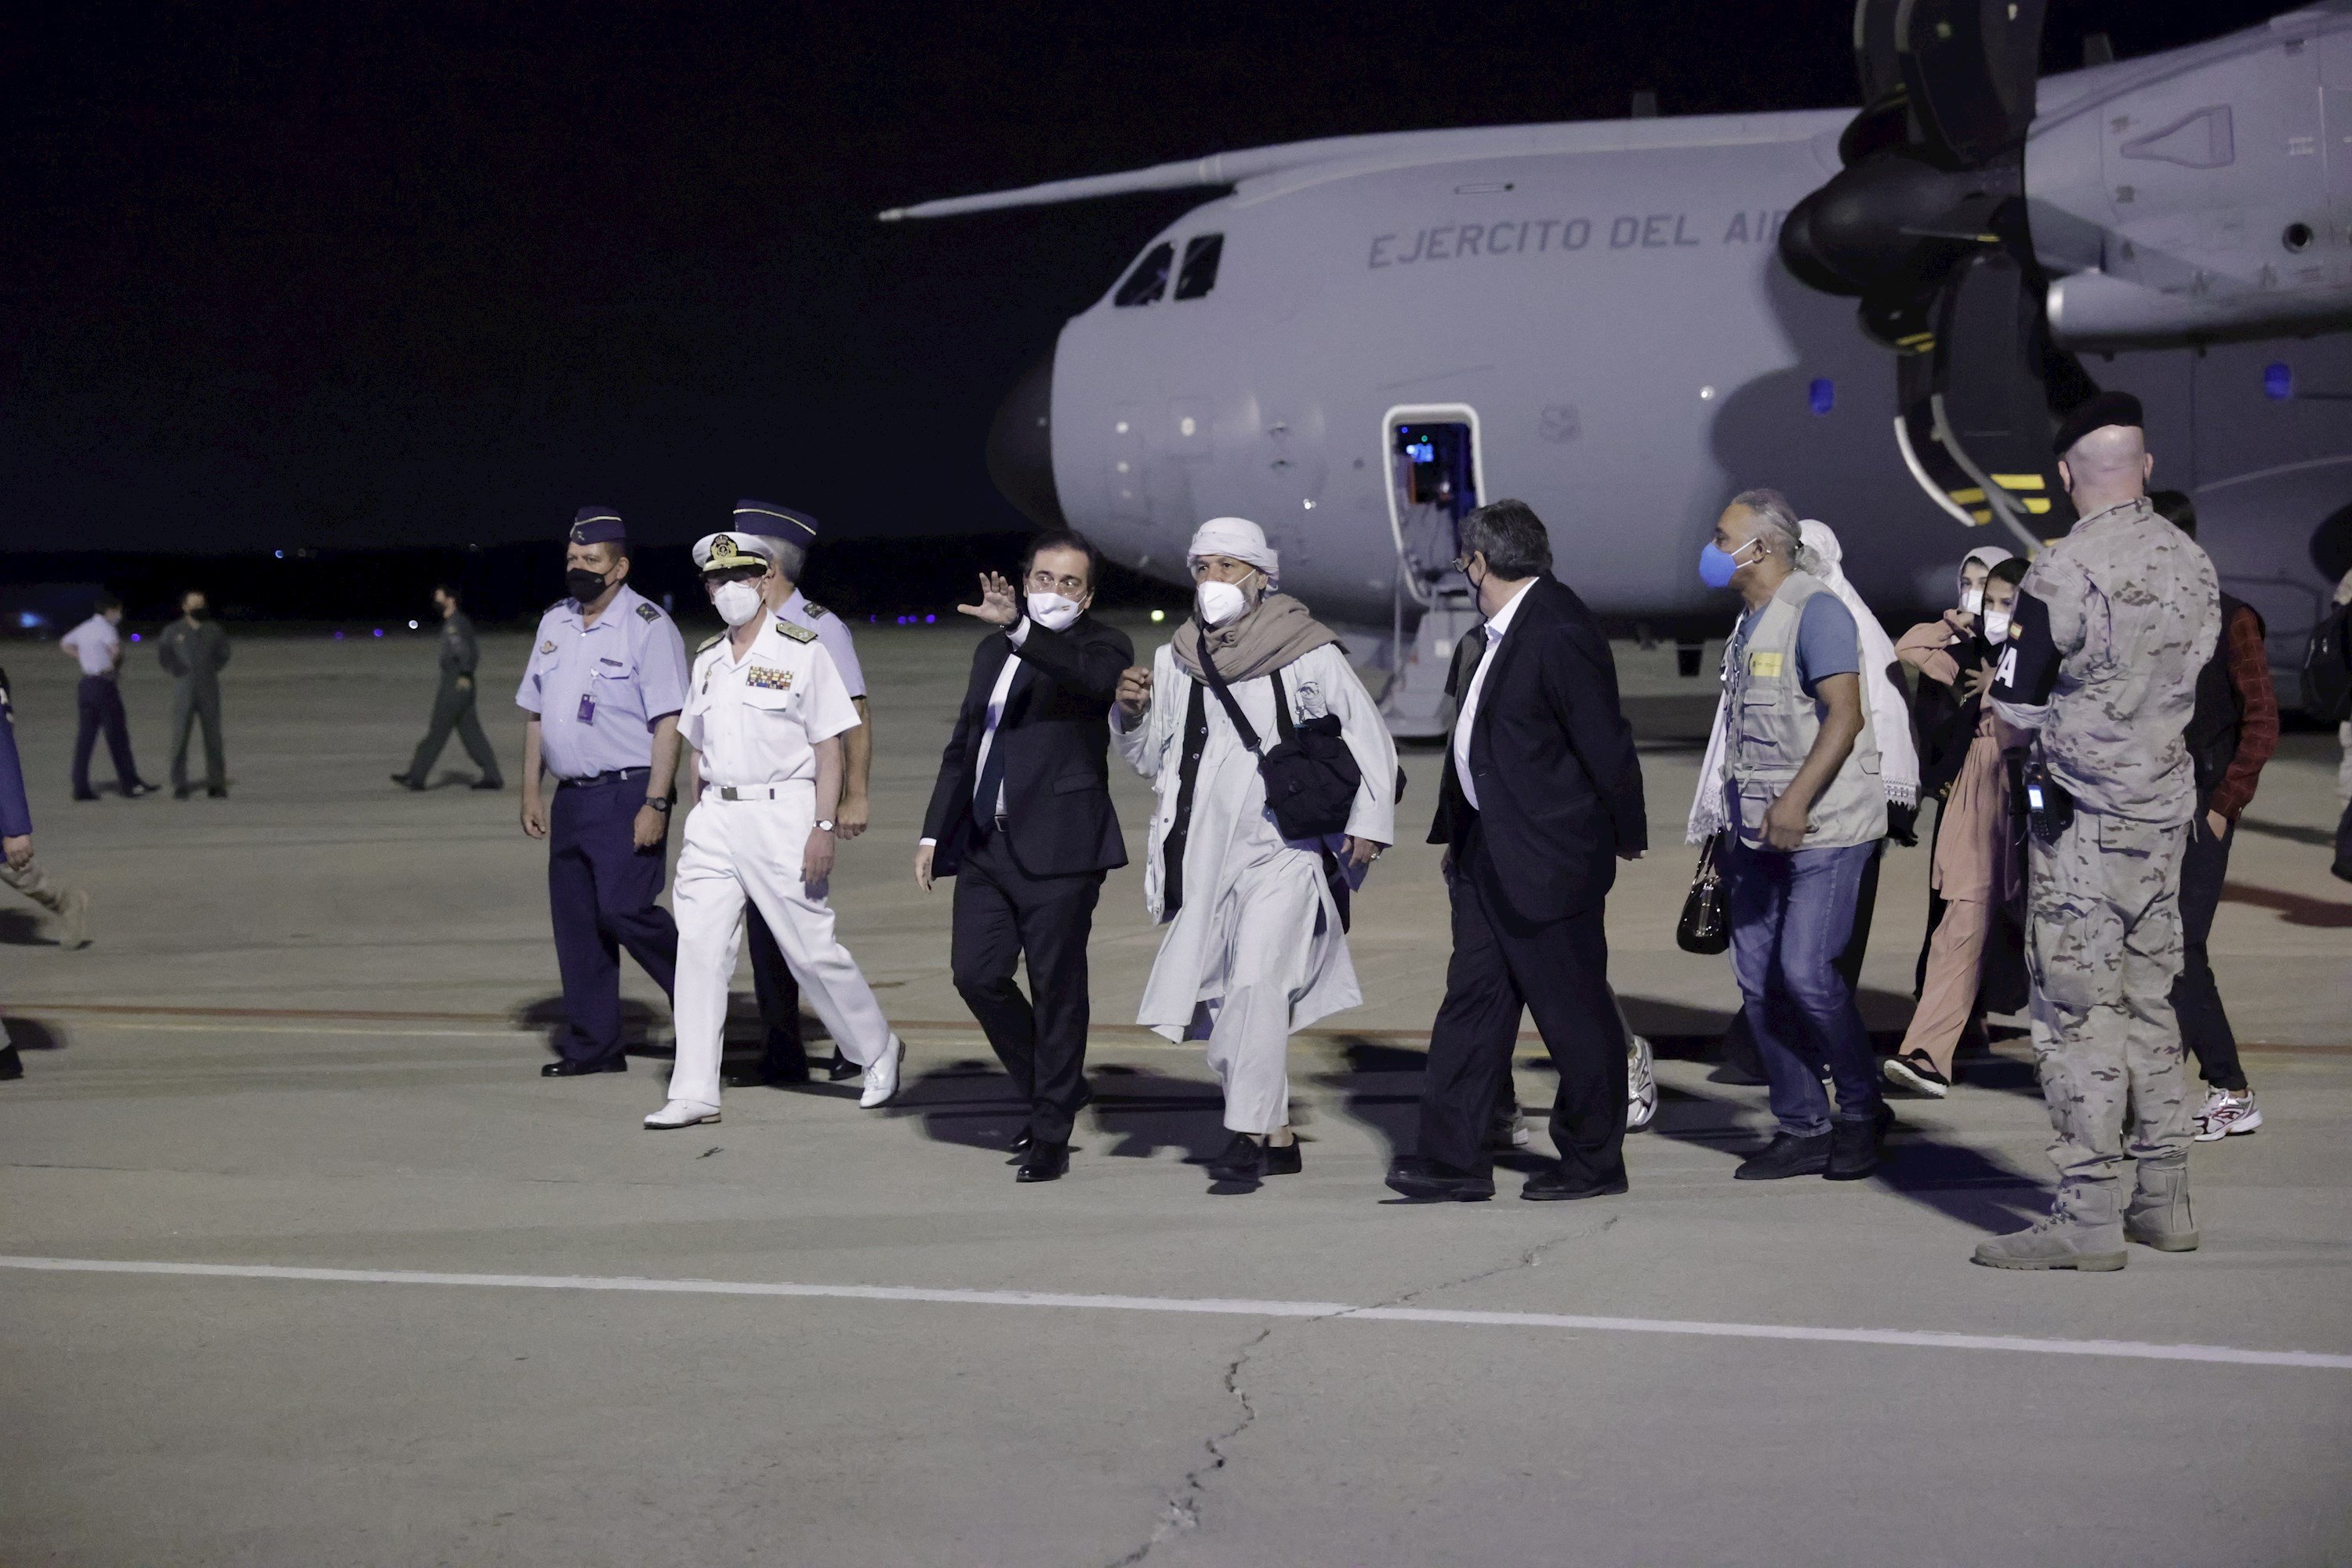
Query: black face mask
x=583, y=584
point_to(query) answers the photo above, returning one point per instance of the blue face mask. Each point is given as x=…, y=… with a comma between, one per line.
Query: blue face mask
x=1715, y=566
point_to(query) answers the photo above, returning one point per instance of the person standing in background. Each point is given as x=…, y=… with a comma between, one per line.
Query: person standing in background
x=193, y=649
x=454, y=706
x=2342, y=869
x=96, y=646
x=601, y=699
x=2233, y=732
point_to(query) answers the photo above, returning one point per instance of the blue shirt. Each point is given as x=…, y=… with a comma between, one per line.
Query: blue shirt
x=597, y=690
x=1828, y=642
x=832, y=635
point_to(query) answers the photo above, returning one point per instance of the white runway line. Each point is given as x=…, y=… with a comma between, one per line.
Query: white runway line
x=2132, y=1350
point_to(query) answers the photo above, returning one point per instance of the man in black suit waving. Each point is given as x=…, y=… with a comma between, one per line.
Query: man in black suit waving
x=1542, y=796
x=1021, y=817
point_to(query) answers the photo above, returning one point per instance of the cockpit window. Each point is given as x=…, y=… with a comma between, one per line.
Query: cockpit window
x=1149, y=278
x=1198, y=274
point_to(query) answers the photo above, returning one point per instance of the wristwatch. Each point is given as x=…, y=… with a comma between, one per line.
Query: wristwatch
x=660, y=802
x=824, y=826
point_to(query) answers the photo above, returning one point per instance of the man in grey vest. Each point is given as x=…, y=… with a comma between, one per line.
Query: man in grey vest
x=1802, y=798
x=2113, y=624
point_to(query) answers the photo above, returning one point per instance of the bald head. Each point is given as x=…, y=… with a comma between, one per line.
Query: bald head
x=2108, y=467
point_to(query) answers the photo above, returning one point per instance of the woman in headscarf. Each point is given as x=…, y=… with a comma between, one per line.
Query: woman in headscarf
x=1970, y=876
x=1256, y=948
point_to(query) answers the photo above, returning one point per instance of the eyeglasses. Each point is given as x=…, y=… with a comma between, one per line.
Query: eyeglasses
x=1044, y=582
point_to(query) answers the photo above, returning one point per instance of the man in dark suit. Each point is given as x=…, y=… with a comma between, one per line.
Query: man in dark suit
x=1542, y=795
x=1021, y=817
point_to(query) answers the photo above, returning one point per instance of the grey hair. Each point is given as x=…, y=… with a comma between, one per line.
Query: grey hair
x=1776, y=522
x=789, y=557
x=1512, y=538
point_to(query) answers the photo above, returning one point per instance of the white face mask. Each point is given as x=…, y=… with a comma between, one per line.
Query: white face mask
x=737, y=602
x=1972, y=600
x=1219, y=602
x=1997, y=625
x=1052, y=611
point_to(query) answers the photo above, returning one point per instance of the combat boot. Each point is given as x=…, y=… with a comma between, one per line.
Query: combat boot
x=2159, y=1216
x=2060, y=1241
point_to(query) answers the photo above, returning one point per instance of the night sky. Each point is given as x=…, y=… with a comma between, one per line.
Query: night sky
x=365, y=275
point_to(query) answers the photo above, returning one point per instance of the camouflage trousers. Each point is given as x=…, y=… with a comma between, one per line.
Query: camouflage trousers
x=2103, y=945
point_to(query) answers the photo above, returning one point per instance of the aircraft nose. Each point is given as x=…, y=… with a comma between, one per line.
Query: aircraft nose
x=1021, y=446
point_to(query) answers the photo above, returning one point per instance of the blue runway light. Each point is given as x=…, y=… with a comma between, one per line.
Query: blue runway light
x=280, y=554
x=379, y=631
x=134, y=636
x=2278, y=381
x=929, y=619
x=1822, y=395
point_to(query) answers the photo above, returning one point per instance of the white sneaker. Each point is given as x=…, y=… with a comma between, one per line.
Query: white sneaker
x=1641, y=1085
x=2226, y=1115
x=882, y=1078
x=680, y=1113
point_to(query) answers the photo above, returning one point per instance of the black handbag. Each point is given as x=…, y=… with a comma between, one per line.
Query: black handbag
x=1311, y=777
x=2328, y=667
x=1706, y=925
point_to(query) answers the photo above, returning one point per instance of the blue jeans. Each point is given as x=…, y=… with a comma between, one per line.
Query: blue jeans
x=1791, y=917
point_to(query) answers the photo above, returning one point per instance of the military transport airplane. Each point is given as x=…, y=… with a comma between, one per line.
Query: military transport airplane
x=1622, y=323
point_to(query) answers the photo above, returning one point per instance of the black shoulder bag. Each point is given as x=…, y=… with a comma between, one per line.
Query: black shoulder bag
x=1706, y=925
x=1311, y=777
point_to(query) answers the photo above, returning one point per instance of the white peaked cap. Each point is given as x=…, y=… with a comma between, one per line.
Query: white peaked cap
x=1237, y=537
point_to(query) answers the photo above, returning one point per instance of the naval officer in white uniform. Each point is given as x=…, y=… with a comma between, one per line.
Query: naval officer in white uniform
x=765, y=712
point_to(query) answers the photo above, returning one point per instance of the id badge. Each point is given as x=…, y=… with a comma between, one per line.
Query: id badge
x=587, y=708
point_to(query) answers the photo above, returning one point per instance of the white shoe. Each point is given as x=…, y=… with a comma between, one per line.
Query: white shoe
x=2226, y=1115
x=680, y=1113
x=881, y=1080
x=1641, y=1085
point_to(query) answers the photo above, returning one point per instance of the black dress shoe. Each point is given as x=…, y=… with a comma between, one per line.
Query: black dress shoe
x=91, y=795
x=136, y=790
x=217, y=794
x=12, y=1064
x=1853, y=1146
x=841, y=1067
x=487, y=783
x=1787, y=1156
x=1021, y=1142
x=1556, y=1184
x=1044, y=1162
x=181, y=792
x=1282, y=1159
x=1243, y=1161
x=1434, y=1182
x=405, y=781
x=567, y=1067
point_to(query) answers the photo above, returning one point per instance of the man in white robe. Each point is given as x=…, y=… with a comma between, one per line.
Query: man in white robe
x=1255, y=947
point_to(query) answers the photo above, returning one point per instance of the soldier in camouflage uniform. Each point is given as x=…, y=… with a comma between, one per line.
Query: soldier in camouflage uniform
x=2113, y=624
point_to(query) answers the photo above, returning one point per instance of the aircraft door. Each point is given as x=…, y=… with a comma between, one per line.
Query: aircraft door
x=1435, y=475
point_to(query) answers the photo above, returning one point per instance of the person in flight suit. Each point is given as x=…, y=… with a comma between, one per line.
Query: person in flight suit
x=765, y=713
x=784, y=1059
x=601, y=697
x=2113, y=624
x=195, y=650
x=1021, y=816
x=453, y=704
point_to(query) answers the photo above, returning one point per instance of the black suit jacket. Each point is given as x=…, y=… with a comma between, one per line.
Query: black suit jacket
x=1560, y=789
x=1056, y=734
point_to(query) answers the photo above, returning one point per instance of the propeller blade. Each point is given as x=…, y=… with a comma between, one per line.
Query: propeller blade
x=1969, y=69
x=1986, y=399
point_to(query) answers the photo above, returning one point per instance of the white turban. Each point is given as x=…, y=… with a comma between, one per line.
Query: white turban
x=1239, y=538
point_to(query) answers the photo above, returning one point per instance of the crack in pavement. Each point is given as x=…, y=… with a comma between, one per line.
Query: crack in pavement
x=1182, y=1512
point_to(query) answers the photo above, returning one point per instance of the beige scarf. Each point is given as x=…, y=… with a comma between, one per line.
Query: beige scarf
x=1264, y=639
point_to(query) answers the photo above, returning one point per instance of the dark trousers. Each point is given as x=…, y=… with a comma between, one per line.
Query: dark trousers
x=191, y=705
x=2204, y=1027
x=601, y=889
x=1558, y=971
x=1740, y=1047
x=782, y=1054
x=2343, y=867
x=99, y=704
x=1002, y=914
x=453, y=708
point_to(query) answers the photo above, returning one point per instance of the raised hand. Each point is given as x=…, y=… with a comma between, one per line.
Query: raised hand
x=998, y=604
x=1134, y=691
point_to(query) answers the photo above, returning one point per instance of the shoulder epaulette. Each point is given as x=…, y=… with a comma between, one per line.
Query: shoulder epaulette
x=795, y=631
x=814, y=608
x=650, y=611
x=709, y=643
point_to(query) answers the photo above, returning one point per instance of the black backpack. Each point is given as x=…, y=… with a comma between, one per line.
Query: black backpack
x=2327, y=669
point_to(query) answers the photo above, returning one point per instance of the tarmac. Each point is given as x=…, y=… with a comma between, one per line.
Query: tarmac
x=301, y=1262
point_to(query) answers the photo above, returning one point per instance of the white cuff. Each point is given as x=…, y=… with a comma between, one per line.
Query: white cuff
x=1018, y=633
x=926, y=843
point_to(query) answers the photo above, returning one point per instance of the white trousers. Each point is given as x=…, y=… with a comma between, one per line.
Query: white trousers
x=741, y=849
x=1270, y=919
